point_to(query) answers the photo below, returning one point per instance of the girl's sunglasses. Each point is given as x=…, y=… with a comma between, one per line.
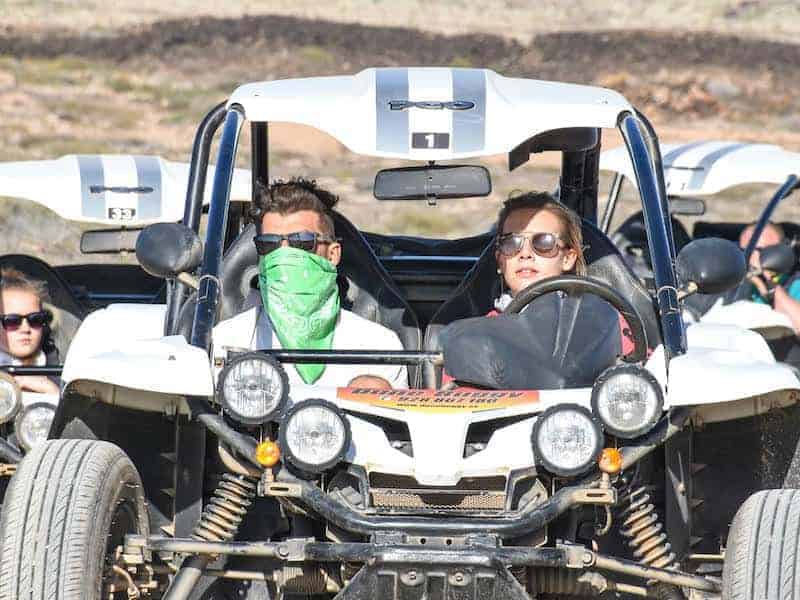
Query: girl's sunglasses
x=546, y=245
x=36, y=320
x=302, y=240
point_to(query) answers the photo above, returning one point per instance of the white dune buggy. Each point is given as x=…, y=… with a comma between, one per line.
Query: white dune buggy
x=121, y=194
x=700, y=172
x=552, y=468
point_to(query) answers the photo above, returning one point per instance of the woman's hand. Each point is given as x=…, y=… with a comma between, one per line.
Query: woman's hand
x=37, y=383
x=765, y=286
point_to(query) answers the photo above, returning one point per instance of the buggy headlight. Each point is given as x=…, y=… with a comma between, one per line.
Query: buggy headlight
x=33, y=424
x=253, y=388
x=628, y=400
x=314, y=435
x=567, y=440
x=10, y=397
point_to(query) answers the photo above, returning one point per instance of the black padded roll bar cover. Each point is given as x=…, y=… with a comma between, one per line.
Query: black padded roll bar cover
x=167, y=249
x=555, y=343
x=567, y=139
x=779, y=258
x=714, y=264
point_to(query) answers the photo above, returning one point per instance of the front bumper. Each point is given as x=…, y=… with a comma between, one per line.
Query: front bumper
x=392, y=571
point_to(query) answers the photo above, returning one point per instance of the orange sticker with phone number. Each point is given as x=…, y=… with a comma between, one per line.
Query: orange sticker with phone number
x=456, y=400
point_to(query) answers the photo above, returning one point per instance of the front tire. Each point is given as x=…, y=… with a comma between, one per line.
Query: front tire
x=762, y=559
x=68, y=507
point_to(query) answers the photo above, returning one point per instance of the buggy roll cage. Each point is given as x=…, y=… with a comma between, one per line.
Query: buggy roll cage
x=579, y=191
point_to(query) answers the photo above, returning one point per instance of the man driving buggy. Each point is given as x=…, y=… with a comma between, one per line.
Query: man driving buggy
x=300, y=305
x=781, y=290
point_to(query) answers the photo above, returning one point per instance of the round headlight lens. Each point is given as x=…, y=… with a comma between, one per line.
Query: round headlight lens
x=253, y=388
x=10, y=397
x=567, y=440
x=314, y=435
x=33, y=424
x=628, y=400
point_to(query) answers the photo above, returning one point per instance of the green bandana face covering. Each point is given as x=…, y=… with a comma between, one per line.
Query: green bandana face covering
x=300, y=294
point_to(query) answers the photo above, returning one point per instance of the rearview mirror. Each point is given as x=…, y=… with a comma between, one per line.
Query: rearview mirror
x=687, y=206
x=432, y=182
x=710, y=266
x=109, y=241
x=168, y=250
x=779, y=258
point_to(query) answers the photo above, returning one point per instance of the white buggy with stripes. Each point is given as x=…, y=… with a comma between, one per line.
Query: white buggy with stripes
x=98, y=203
x=704, y=176
x=544, y=471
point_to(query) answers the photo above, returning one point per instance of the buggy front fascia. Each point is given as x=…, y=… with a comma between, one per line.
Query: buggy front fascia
x=643, y=147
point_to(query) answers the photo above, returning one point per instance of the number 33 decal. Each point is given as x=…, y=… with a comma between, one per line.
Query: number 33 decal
x=121, y=214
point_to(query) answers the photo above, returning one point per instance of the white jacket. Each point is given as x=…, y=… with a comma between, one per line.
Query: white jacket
x=252, y=330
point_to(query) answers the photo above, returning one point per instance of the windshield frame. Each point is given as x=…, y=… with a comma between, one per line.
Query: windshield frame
x=640, y=139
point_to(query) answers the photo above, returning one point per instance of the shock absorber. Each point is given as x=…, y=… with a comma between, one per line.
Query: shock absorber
x=227, y=507
x=643, y=529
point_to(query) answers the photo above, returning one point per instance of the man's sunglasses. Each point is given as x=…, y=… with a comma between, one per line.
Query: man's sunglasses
x=36, y=320
x=543, y=244
x=302, y=240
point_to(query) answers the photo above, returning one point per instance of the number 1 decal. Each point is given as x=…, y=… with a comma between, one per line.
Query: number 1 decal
x=430, y=141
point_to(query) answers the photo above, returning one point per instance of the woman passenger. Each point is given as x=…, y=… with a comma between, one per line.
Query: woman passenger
x=24, y=326
x=538, y=237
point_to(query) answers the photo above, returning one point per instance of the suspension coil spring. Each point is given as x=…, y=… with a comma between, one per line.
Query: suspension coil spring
x=228, y=505
x=643, y=530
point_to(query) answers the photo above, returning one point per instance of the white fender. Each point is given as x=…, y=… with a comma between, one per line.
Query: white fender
x=751, y=315
x=123, y=345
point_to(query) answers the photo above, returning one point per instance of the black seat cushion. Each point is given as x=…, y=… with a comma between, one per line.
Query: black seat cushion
x=631, y=240
x=476, y=294
x=366, y=288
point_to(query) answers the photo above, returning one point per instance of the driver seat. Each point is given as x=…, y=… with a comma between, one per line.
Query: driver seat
x=366, y=289
x=475, y=295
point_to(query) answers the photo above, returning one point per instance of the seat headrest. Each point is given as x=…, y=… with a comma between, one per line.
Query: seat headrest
x=61, y=294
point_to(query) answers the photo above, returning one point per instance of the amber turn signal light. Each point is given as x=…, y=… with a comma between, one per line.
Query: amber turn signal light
x=268, y=453
x=610, y=461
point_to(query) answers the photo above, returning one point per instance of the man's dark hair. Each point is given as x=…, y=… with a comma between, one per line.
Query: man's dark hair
x=287, y=197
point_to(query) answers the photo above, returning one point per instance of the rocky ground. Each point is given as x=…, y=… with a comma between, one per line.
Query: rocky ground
x=141, y=85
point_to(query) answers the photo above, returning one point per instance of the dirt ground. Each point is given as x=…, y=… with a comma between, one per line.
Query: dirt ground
x=78, y=79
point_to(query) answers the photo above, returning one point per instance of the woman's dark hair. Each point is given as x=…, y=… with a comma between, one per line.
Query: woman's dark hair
x=570, y=222
x=287, y=197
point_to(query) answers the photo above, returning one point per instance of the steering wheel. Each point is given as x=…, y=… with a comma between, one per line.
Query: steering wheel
x=575, y=287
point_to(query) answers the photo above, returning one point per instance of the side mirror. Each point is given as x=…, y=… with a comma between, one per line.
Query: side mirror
x=168, y=250
x=779, y=258
x=710, y=266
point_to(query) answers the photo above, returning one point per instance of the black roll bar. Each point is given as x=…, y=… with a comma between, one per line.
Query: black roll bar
x=259, y=147
x=783, y=191
x=193, y=206
x=209, y=289
x=658, y=168
x=611, y=204
x=647, y=167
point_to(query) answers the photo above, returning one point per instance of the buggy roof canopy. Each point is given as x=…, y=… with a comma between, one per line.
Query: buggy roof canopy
x=704, y=168
x=430, y=113
x=122, y=190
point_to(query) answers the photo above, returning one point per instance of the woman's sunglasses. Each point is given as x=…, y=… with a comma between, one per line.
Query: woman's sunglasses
x=36, y=320
x=302, y=240
x=543, y=244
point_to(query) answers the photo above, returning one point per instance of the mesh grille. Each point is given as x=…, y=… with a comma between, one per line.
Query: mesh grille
x=389, y=491
x=383, y=498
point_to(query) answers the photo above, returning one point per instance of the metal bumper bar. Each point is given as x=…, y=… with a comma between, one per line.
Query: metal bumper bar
x=304, y=551
x=531, y=518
